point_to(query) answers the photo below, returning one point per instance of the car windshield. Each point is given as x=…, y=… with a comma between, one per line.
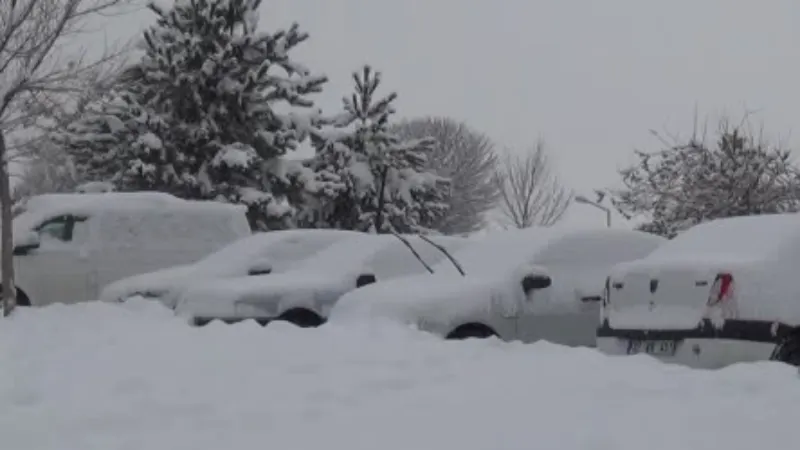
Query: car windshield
x=498, y=253
x=385, y=255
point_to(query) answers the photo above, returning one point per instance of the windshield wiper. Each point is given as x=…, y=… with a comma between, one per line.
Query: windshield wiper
x=446, y=253
x=411, y=247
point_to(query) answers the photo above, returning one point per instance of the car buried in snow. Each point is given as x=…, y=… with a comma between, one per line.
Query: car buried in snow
x=526, y=285
x=719, y=293
x=68, y=247
x=256, y=255
x=305, y=294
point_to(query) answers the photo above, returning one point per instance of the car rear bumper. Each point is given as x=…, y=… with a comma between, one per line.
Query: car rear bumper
x=733, y=329
x=705, y=346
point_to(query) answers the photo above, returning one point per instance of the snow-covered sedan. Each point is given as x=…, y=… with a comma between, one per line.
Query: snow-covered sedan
x=305, y=294
x=255, y=255
x=722, y=292
x=542, y=283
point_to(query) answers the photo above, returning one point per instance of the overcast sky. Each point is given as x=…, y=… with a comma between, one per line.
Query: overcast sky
x=590, y=77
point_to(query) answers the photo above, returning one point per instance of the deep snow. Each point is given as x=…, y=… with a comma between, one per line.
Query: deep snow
x=132, y=376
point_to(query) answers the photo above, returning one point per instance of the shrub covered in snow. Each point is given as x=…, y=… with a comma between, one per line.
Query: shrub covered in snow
x=366, y=177
x=693, y=182
x=196, y=116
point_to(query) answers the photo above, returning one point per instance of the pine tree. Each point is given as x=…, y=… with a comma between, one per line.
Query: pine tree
x=198, y=116
x=367, y=178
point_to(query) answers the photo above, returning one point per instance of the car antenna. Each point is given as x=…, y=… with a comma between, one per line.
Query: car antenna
x=411, y=247
x=446, y=253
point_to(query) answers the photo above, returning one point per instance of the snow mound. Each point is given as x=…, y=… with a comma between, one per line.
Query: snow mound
x=133, y=376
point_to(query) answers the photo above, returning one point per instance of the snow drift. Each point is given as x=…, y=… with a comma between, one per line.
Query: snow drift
x=133, y=376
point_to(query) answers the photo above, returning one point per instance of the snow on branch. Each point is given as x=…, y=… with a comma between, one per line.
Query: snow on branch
x=740, y=173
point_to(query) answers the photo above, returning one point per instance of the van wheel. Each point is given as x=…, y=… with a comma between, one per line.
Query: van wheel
x=788, y=349
x=22, y=298
x=472, y=330
x=303, y=318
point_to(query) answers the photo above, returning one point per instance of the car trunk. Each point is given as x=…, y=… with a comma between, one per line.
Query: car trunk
x=665, y=294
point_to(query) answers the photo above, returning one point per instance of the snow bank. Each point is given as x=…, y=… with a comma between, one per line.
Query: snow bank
x=132, y=376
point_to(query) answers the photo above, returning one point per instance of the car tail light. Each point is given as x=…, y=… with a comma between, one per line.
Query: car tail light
x=721, y=290
x=607, y=292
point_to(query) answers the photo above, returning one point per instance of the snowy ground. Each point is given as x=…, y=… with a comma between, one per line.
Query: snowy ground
x=99, y=376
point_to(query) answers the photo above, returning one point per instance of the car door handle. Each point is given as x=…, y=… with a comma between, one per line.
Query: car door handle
x=592, y=299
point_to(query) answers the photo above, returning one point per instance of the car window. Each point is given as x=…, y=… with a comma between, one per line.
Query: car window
x=64, y=229
x=55, y=229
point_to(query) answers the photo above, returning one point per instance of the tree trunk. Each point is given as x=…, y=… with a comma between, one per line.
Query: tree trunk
x=381, y=200
x=6, y=238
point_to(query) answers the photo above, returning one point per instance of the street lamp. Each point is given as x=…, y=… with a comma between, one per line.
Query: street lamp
x=586, y=201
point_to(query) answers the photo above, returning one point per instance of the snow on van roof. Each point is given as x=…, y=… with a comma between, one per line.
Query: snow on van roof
x=500, y=251
x=45, y=206
x=752, y=237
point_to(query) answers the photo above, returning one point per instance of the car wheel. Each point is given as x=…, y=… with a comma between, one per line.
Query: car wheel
x=472, y=330
x=22, y=298
x=303, y=318
x=788, y=349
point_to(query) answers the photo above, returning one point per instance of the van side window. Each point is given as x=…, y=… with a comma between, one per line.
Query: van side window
x=60, y=228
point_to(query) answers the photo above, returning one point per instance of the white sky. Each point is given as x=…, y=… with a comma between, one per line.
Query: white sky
x=589, y=77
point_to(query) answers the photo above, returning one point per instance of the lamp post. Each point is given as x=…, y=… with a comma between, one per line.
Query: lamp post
x=586, y=201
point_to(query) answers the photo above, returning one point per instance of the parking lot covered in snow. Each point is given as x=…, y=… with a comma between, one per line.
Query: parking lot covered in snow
x=133, y=376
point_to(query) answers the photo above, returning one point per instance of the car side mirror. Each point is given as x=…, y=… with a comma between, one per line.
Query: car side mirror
x=24, y=244
x=535, y=282
x=262, y=267
x=365, y=279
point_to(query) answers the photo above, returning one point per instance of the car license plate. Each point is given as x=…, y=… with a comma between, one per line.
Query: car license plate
x=656, y=348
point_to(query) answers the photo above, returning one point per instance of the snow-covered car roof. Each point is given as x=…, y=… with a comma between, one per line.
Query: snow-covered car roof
x=747, y=237
x=504, y=251
x=42, y=207
x=283, y=248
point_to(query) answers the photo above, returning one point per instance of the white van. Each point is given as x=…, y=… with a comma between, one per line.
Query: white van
x=69, y=246
x=722, y=292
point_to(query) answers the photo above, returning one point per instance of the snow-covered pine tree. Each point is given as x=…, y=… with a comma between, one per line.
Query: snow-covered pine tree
x=367, y=178
x=693, y=182
x=208, y=86
x=116, y=140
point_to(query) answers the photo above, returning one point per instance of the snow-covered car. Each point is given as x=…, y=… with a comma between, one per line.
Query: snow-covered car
x=305, y=294
x=527, y=285
x=67, y=247
x=259, y=254
x=721, y=292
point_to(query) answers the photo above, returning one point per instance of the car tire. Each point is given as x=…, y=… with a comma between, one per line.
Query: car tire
x=788, y=349
x=22, y=298
x=472, y=331
x=302, y=318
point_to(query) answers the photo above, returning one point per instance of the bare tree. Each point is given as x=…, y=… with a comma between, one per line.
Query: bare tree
x=530, y=194
x=468, y=158
x=33, y=39
x=46, y=165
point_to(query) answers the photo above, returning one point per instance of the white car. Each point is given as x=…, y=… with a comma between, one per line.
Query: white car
x=259, y=254
x=305, y=294
x=541, y=283
x=67, y=247
x=721, y=292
